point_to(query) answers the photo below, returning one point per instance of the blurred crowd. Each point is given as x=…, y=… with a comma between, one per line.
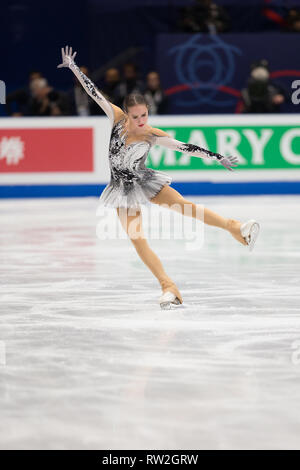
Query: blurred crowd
x=261, y=94
x=204, y=16
x=39, y=98
x=292, y=20
x=207, y=17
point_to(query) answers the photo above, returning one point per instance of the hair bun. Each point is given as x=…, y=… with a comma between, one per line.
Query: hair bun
x=133, y=99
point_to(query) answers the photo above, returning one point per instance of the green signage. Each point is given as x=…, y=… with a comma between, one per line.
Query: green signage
x=265, y=147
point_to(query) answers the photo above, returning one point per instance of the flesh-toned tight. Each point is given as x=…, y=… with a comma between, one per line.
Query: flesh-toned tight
x=172, y=199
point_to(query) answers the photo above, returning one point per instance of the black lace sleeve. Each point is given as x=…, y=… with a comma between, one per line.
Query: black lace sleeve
x=190, y=149
x=93, y=91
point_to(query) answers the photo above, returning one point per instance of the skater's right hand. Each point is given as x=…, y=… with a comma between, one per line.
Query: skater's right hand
x=67, y=57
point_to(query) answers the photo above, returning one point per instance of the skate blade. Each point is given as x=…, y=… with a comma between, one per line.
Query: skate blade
x=167, y=299
x=250, y=231
x=165, y=305
x=254, y=231
x=169, y=305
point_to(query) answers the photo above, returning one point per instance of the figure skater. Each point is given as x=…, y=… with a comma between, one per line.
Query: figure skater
x=133, y=184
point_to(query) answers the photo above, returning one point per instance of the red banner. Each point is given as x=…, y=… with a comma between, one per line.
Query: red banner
x=44, y=150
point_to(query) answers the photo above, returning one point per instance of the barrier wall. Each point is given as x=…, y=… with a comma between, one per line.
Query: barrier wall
x=64, y=157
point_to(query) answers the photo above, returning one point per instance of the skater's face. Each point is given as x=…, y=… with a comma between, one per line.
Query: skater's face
x=138, y=116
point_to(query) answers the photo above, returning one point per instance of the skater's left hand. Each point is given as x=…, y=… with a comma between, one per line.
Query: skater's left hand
x=67, y=57
x=228, y=162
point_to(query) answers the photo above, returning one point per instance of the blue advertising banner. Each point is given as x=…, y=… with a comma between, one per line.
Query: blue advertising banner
x=203, y=73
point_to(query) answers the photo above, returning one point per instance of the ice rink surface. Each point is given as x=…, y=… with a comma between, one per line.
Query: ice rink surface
x=89, y=361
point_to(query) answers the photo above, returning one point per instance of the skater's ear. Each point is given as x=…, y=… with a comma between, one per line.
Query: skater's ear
x=159, y=132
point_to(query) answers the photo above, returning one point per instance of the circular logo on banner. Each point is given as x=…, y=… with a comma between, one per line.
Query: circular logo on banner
x=205, y=64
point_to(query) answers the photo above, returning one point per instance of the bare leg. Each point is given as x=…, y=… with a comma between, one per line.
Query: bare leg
x=169, y=196
x=132, y=224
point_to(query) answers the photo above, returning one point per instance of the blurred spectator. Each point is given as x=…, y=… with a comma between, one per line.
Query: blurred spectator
x=17, y=102
x=262, y=95
x=292, y=20
x=111, y=81
x=130, y=84
x=46, y=101
x=154, y=94
x=81, y=104
x=206, y=17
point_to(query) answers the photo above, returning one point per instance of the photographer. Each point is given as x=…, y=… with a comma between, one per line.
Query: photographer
x=261, y=95
x=46, y=101
x=18, y=101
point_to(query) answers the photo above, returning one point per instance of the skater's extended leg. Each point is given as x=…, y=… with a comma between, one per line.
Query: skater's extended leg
x=174, y=200
x=132, y=224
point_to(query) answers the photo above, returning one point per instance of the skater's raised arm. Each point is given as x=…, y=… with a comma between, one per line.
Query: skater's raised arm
x=113, y=112
x=164, y=139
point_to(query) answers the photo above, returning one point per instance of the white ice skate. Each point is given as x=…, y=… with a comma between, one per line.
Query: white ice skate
x=250, y=231
x=167, y=299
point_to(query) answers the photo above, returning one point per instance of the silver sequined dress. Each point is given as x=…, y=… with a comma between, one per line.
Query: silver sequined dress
x=131, y=182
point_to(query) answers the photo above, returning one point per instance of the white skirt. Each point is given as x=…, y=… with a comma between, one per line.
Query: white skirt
x=113, y=195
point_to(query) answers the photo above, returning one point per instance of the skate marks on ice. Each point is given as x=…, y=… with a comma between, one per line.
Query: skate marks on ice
x=92, y=361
